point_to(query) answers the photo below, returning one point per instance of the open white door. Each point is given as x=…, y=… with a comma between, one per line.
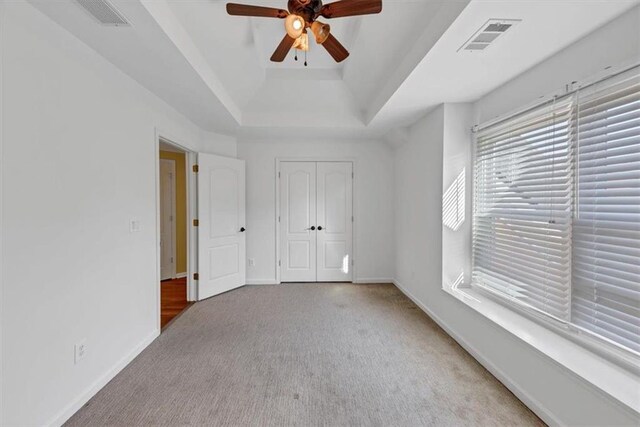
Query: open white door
x=335, y=221
x=221, y=215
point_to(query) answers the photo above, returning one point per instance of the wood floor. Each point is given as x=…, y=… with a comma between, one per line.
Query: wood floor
x=173, y=299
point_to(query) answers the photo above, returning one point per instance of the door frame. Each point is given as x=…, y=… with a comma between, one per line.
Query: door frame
x=354, y=163
x=191, y=158
x=174, y=233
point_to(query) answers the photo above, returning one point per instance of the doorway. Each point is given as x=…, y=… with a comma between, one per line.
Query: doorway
x=174, y=251
x=200, y=226
x=315, y=221
x=168, y=207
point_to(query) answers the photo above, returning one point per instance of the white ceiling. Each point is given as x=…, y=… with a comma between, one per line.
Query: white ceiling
x=324, y=94
x=215, y=68
x=447, y=75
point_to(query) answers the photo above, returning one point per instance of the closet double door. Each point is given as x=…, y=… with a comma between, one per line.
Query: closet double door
x=316, y=221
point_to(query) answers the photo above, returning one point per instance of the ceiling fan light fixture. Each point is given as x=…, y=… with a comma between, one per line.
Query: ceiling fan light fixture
x=302, y=42
x=294, y=25
x=320, y=31
x=302, y=14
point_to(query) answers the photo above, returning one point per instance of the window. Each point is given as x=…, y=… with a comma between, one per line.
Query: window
x=556, y=216
x=606, y=227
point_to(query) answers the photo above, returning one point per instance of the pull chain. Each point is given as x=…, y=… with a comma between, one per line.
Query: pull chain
x=296, y=57
x=305, y=58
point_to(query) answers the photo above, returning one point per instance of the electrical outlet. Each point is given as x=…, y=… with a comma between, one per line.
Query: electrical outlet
x=252, y=262
x=80, y=351
x=134, y=225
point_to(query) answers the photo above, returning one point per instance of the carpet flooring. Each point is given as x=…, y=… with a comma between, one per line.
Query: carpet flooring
x=305, y=355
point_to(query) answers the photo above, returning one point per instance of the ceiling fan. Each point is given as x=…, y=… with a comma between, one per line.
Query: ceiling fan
x=303, y=14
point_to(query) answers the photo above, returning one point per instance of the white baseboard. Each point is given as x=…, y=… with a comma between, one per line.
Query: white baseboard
x=260, y=282
x=358, y=280
x=84, y=397
x=181, y=275
x=520, y=393
x=373, y=280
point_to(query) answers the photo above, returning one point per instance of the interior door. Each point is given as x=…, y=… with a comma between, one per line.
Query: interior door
x=221, y=231
x=167, y=219
x=335, y=221
x=298, y=221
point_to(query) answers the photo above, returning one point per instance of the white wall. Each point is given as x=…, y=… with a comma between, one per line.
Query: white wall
x=78, y=163
x=215, y=143
x=2, y=298
x=456, y=161
x=373, y=202
x=558, y=395
x=418, y=201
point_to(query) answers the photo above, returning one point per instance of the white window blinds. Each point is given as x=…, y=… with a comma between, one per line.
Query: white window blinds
x=522, y=211
x=606, y=231
x=556, y=218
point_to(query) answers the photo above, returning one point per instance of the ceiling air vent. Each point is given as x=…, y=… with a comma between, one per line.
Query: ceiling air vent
x=488, y=33
x=104, y=12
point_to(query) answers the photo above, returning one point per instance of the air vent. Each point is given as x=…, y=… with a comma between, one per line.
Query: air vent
x=476, y=46
x=488, y=33
x=498, y=27
x=104, y=12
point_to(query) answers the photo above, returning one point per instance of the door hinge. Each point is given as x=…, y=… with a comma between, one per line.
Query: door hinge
x=352, y=219
x=196, y=276
x=195, y=168
x=196, y=222
x=279, y=264
x=278, y=174
x=353, y=261
x=171, y=260
x=352, y=175
x=278, y=218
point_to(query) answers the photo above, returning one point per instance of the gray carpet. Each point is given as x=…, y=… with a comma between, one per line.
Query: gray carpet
x=307, y=355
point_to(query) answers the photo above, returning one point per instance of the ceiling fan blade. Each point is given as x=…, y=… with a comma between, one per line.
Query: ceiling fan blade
x=344, y=8
x=335, y=49
x=248, y=10
x=282, y=49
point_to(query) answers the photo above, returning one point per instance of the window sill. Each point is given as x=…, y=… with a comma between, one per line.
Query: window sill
x=610, y=377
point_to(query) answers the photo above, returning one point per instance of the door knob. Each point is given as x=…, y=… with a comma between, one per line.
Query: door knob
x=319, y=227
x=313, y=227
x=242, y=229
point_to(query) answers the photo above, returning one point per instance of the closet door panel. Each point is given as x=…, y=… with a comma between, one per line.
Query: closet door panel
x=298, y=255
x=334, y=221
